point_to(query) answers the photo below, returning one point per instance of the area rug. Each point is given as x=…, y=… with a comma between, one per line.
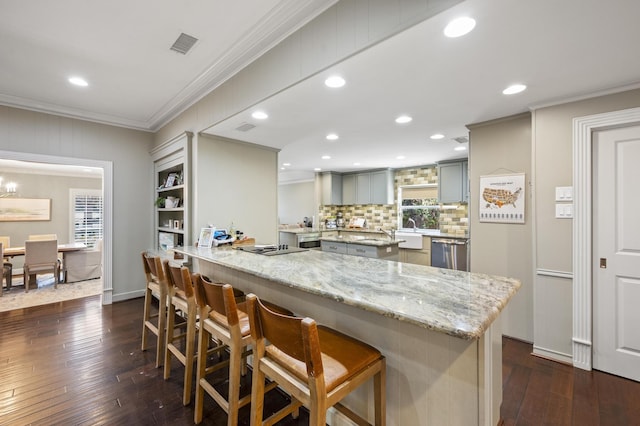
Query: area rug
x=17, y=298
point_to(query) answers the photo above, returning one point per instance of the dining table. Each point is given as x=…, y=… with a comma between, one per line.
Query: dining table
x=62, y=248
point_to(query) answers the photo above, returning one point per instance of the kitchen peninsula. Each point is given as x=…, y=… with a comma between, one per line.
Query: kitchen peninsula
x=438, y=328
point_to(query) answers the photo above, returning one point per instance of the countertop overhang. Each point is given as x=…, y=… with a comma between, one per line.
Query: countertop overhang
x=376, y=242
x=457, y=303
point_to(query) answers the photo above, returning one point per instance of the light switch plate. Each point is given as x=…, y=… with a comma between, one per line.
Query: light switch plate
x=564, y=193
x=564, y=211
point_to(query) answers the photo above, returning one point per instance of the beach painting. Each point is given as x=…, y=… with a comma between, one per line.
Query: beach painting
x=25, y=209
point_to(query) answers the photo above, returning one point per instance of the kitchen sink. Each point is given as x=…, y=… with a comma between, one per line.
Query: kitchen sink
x=412, y=240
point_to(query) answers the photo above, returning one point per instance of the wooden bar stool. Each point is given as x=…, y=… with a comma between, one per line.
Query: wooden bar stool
x=226, y=321
x=316, y=365
x=181, y=299
x=156, y=287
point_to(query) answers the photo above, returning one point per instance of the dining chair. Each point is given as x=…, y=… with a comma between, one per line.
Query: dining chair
x=156, y=287
x=83, y=265
x=40, y=257
x=317, y=366
x=42, y=237
x=5, y=270
x=7, y=266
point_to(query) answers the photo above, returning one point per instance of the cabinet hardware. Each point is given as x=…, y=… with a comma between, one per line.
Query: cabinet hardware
x=603, y=263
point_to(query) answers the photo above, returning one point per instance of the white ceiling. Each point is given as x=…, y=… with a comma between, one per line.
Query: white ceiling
x=122, y=48
x=561, y=49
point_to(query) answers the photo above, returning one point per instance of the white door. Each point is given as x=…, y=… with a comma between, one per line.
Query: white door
x=616, y=252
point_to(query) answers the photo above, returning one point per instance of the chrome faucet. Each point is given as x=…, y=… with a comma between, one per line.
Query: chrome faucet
x=413, y=222
x=391, y=234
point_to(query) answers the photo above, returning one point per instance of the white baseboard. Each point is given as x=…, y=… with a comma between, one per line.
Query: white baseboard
x=126, y=296
x=553, y=355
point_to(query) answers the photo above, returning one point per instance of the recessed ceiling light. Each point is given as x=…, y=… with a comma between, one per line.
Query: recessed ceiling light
x=332, y=137
x=259, y=115
x=459, y=27
x=326, y=157
x=437, y=136
x=317, y=169
x=403, y=119
x=356, y=164
x=400, y=157
x=286, y=164
x=282, y=168
x=460, y=148
x=513, y=89
x=78, y=81
x=334, y=81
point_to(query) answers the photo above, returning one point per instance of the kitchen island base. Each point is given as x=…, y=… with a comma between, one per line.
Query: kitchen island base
x=432, y=378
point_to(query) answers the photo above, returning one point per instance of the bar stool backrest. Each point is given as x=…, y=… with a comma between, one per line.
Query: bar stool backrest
x=219, y=298
x=295, y=336
x=153, y=268
x=180, y=278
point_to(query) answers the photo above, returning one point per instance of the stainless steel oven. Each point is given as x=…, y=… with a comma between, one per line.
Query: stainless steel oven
x=309, y=240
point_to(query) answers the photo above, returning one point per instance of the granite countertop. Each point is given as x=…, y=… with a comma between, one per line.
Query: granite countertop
x=457, y=303
x=382, y=241
x=300, y=230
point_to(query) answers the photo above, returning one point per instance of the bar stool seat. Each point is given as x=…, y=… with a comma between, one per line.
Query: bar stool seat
x=316, y=365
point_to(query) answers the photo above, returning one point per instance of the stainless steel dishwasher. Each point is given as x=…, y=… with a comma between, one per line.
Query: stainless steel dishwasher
x=449, y=253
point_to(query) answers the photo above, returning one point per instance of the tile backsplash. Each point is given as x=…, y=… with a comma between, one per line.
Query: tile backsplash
x=454, y=219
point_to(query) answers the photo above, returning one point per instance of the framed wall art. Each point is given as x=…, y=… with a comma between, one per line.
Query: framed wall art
x=502, y=198
x=25, y=209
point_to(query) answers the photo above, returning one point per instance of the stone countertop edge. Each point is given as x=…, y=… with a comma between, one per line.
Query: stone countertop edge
x=457, y=303
x=363, y=242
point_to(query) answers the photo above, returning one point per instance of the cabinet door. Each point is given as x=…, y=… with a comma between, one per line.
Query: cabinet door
x=331, y=189
x=349, y=189
x=465, y=182
x=363, y=188
x=362, y=250
x=382, y=187
x=332, y=247
x=450, y=183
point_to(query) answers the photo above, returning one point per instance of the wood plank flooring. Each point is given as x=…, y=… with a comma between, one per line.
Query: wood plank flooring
x=80, y=363
x=537, y=391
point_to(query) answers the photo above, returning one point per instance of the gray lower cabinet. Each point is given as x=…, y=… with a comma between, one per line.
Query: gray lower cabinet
x=374, y=252
x=333, y=247
x=288, y=238
x=418, y=256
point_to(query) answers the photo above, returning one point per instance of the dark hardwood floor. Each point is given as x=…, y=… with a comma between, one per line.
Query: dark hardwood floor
x=537, y=391
x=80, y=363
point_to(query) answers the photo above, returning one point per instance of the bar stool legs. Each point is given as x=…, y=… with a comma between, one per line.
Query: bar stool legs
x=156, y=283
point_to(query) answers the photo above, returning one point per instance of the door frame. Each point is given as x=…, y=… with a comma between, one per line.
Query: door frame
x=107, y=199
x=583, y=128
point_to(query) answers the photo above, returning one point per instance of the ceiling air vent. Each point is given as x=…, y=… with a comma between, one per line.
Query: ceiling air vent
x=245, y=127
x=184, y=43
x=461, y=139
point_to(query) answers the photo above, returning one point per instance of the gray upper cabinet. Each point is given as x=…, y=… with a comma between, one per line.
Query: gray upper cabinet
x=382, y=187
x=331, y=188
x=368, y=188
x=453, y=184
x=349, y=189
x=363, y=188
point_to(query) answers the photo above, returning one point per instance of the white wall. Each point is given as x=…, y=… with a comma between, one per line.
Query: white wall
x=501, y=147
x=30, y=132
x=553, y=157
x=237, y=183
x=296, y=201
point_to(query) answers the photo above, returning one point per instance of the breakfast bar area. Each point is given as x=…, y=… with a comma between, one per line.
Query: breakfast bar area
x=438, y=329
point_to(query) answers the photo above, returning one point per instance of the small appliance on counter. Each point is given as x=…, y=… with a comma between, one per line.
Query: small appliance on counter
x=339, y=220
x=330, y=223
x=308, y=222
